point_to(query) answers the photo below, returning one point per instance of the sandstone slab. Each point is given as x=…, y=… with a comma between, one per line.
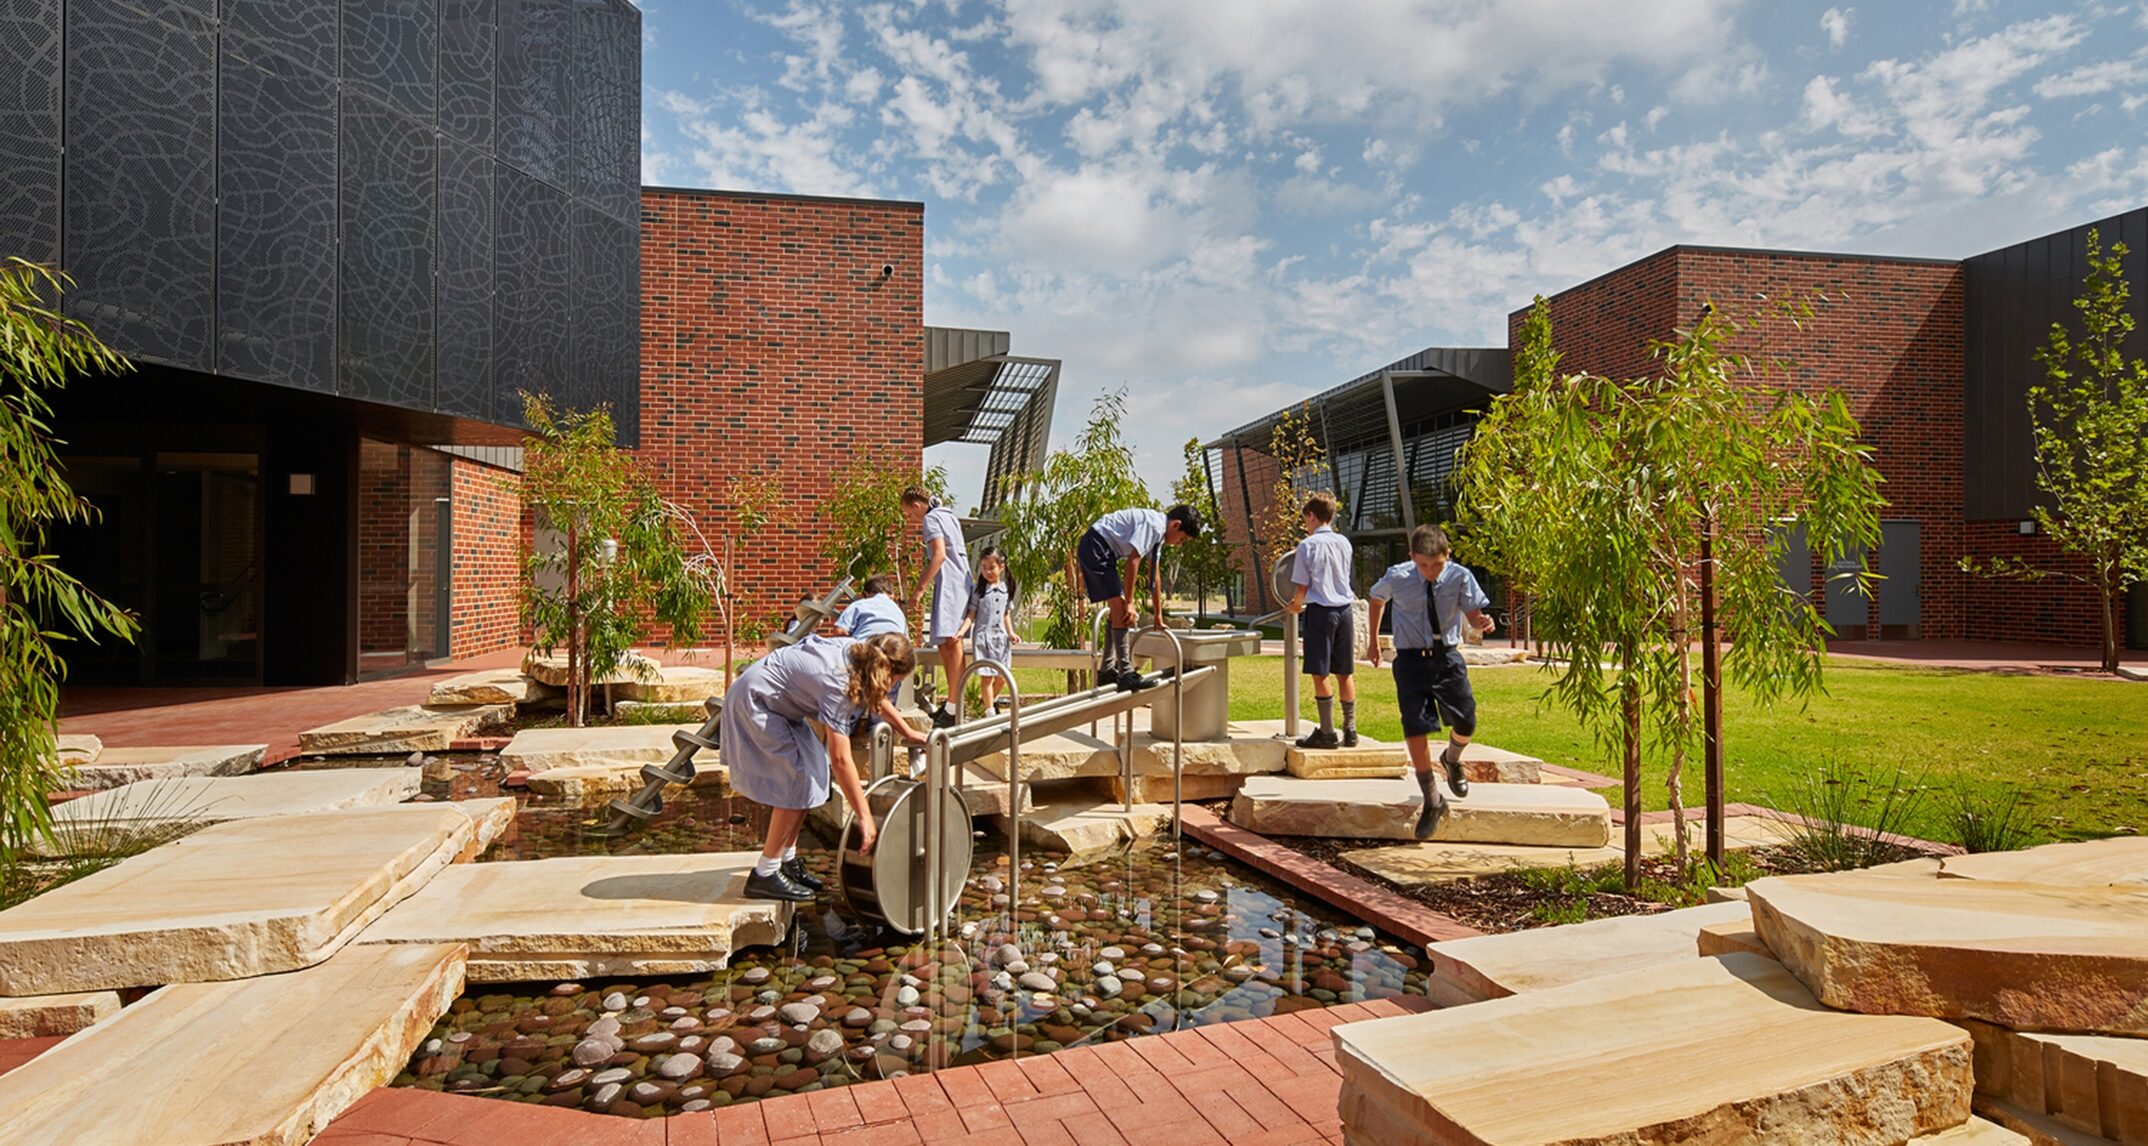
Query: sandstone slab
x=1084, y=828
x=2120, y=860
x=590, y=784
x=2027, y=956
x=1488, y=655
x=1538, y=814
x=587, y=917
x=1481, y=763
x=488, y=686
x=43, y=1016
x=77, y=748
x=1430, y=862
x=542, y=749
x=411, y=728
x=2092, y=1084
x=248, y=897
x=1073, y=755
x=1975, y=1132
x=1639, y=1058
x=1157, y=789
x=2040, y=1129
x=117, y=766
x=267, y=1061
x=1731, y=937
x=552, y=670
x=1495, y=966
x=673, y=684
x=220, y=799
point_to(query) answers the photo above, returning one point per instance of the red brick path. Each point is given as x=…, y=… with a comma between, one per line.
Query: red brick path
x=1268, y=1082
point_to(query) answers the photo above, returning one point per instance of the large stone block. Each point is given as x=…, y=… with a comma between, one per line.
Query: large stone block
x=1085, y=828
x=1697, y=1050
x=1432, y=862
x=77, y=748
x=583, y=917
x=268, y=1061
x=552, y=670
x=1494, y=966
x=1975, y=1132
x=1074, y=755
x=43, y=1016
x=116, y=766
x=249, y=897
x=1481, y=764
x=1537, y=814
x=590, y=784
x=204, y=800
x=542, y=749
x=2120, y=860
x=2093, y=1084
x=1158, y=789
x=411, y=728
x=2027, y=956
x=489, y=686
x=673, y=684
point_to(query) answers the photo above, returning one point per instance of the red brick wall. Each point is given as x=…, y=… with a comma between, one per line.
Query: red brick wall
x=1259, y=474
x=398, y=547
x=489, y=527
x=1604, y=325
x=2053, y=610
x=771, y=343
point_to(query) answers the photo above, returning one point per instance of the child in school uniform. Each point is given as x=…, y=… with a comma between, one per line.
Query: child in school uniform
x=947, y=571
x=1322, y=575
x=1132, y=536
x=873, y=612
x=787, y=722
x=990, y=624
x=1433, y=596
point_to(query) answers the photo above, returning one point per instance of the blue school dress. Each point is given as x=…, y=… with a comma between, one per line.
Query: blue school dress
x=951, y=587
x=988, y=626
x=772, y=755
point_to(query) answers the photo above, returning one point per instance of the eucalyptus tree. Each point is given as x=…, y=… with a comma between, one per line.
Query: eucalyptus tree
x=1046, y=512
x=864, y=512
x=1206, y=560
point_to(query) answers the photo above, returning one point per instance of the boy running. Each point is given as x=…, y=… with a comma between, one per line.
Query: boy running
x=1433, y=596
x=1322, y=574
x=1132, y=536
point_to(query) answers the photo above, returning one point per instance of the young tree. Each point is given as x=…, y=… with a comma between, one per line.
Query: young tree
x=1516, y=457
x=865, y=510
x=39, y=349
x=1627, y=482
x=756, y=499
x=1047, y=511
x=1301, y=470
x=622, y=559
x=2090, y=422
x=1205, y=560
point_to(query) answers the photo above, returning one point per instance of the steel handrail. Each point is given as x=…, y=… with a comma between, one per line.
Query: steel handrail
x=938, y=764
x=1178, y=732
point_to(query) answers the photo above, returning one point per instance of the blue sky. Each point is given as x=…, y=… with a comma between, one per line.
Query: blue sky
x=1223, y=205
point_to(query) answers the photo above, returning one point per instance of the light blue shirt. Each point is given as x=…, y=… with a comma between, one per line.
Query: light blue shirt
x=1323, y=567
x=1132, y=531
x=1403, y=588
x=941, y=523
x=1454, y=595
x=872, y=616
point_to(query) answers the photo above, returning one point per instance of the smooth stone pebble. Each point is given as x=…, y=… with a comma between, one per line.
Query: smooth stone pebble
x=605, y=1095
x=1038, y=981
x=679, y=1067
x=615, y=1002
x=568, y=1080
x=615, y=1074
x=906, y=996
x=591, y=1051
x=1101, y=967
x=1112, y=954
x=695, y=1107
x=767, y=1046
x=722, y=1063
x=1109, y=986
x=823, y=1043
x=858, y=1017
x=798, y=1013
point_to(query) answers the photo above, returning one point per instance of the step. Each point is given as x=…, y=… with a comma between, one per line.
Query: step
x=1975, y=1132
x=489, y=686
x=118, y=766
x=411, y=728
x=1433, y=862
x=1731, y=937
x=2071, y=960
x=1716, y=1050
x=1073, y=755
x=2120, y=860
x=249, y=897
x=1495, y=966
x=77, y=748
x=205, y=800
x=2090, y=1083
x=673, y=684
x=1085, y=827
x=1371, y=759
x=589, y=917
x=1538, y=814
x=268, y=1060
x=593, y=784
x=43, y=1016
x=2030, y=1126
x=552, y=669
x=542, y=749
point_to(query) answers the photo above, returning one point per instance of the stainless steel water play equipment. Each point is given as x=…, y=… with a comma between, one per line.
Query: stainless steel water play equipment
x=896, y=884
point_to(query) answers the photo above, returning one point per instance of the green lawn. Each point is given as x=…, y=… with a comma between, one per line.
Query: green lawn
x=2077, y=749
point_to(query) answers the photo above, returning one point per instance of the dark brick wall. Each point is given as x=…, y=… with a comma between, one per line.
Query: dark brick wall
x=489, y=527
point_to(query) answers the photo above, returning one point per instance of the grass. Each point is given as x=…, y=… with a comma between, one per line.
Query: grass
x=2075, y=750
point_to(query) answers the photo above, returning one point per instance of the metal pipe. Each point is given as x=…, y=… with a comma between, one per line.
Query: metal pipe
x=1013, y=733
x=1178, y=734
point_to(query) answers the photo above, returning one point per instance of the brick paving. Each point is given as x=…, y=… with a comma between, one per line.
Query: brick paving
x=1265, y=1082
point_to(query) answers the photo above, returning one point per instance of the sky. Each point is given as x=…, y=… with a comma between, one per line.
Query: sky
x=1226, y=205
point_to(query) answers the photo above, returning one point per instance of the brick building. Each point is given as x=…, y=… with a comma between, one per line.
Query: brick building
x=1934, y=357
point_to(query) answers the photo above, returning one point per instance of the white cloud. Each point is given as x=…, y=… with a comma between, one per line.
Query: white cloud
x=1836, y=23
x=2097, y=78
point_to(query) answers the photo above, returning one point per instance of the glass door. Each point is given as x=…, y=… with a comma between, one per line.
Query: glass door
x=204, y=620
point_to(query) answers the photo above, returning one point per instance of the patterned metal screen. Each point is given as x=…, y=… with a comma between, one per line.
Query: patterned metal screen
x=425, y=203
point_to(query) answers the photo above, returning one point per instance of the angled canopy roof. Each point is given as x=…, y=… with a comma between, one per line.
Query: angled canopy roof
x=1434, y=381
x=975, y=391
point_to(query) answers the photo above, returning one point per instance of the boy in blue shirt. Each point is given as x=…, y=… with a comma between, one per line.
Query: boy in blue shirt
x=1322, y=574
x=1433, y=596
x=873, y=612
x=1132, y=536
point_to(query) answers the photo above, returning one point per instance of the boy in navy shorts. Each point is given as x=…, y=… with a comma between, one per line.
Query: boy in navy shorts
x=1433, y=596
x=1132, y=536
x=1322, y=574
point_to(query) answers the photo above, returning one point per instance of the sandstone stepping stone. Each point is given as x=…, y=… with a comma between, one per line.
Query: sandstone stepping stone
x=77, y=748
x=674, y=684
x=1731, y=937
x=1538, y=814
x=1157, y=789
x=586, y=917
x=411, y=728
x=1975, y=1132
x=1086, y=827
x=1640, y=1058
x=543, y=749
x=114, y=767
x=2093, y=1084
x=1434, y=862
x=43, y=1016
x=2120, y=860
x=2029, y=1126
x=489, y=686
x=1489, y=655
x=552, y=670
x=1071, y=755
x=267, y=1060
x=2028, y=956
x=591, y=784
x=1492, y=966
x=249, y=897
x=1481, y=763
x=220, y=799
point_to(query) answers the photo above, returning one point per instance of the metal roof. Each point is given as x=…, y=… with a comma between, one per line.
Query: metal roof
x=975, y=391
x=1434, y=381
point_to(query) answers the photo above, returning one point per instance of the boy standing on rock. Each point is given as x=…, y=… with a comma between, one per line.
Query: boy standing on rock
x=1322, y=574
x=1433, y=597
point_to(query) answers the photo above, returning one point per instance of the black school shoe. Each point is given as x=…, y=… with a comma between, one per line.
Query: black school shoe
x=941, y=718
x=1131, y=680
x=1455, y=779
x=795, y=868
x=1319, y=738
x=1428, y=817
x=1349, y=738
x=778, y=886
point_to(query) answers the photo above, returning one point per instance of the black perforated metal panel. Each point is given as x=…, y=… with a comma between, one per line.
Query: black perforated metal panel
x=386, y=333
x=606, y=334
x=463, y=287
x=607, y=107
x=30, y=129
x=533, y=93
x=140, y=206
x=390, y=52
x=30, y=57
x=469, y=33
x=533, y=287
x=306, y=31
x=276, y=219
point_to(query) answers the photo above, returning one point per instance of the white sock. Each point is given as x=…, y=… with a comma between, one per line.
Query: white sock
x=766, y=865
x=790, y=853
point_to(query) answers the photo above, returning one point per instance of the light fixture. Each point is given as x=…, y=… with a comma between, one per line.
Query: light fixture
x=2028, y=528
x=301, y=485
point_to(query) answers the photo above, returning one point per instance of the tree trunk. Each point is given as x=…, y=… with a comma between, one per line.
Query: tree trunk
x=577, y=682
x=1630, y=721
x=1676, y=782
x=2107, y=586
x=1712, y=702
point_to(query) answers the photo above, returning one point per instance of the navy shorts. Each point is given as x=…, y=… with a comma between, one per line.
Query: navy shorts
x=1330, y=634
x=1099, y=568
x=1431, y=684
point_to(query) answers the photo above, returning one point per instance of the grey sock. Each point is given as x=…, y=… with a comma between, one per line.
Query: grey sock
x=1425, y=781
x=1327, y=712
x=1349, y=716
x=1452, y=753
x=1118, y=648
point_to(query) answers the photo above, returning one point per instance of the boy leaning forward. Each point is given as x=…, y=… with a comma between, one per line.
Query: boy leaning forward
x=1433, y=596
